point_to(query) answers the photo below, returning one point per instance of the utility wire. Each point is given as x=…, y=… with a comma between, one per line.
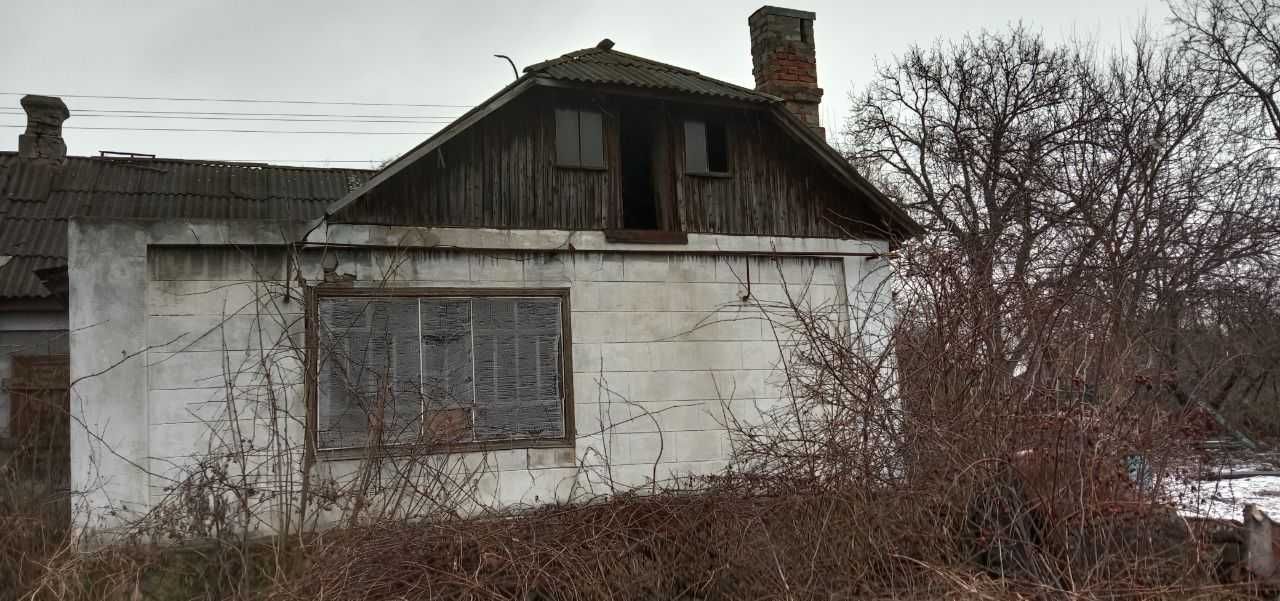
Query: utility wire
x=270, y=162
x=151, y=112
x=249, y=100
x=279, y=119
x=244, y=131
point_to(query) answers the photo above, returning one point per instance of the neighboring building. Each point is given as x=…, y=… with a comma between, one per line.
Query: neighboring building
x=41, y=190
x=579, y=285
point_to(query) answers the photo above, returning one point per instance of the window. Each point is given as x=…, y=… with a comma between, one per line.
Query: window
x=706, y=148
x=438, y=370
x=579, y=139
x=35, y=412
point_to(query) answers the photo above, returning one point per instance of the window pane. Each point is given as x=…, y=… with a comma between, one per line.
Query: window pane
x=567, y=138
x=695, y=147
x=518, y=388
x=591, y=135
x=717, y=148
x=448, y=391
x=369, y=372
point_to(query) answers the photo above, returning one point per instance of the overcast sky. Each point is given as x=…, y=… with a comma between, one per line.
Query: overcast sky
x=422, y=52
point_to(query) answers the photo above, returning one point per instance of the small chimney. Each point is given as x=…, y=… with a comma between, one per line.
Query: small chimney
x=43, y=138
x=784, y=60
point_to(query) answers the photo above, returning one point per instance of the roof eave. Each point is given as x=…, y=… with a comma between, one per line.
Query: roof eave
x=493, y=103
x=895, y=216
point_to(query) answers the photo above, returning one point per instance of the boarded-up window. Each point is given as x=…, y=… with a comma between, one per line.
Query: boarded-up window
x=435, y=370
x=39, y=404
x=371, y=381
x=579, y=139
x=706, y=147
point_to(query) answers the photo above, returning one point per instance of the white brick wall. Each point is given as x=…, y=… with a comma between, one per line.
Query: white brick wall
x=665, y=353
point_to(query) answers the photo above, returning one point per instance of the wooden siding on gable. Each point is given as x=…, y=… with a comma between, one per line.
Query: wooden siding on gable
x=774, y=187
x=502, y=173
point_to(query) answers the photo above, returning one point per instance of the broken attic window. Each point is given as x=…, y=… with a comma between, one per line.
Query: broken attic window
x=639, y=192
x=579, y=139
x=439, y=370
x=706, y=148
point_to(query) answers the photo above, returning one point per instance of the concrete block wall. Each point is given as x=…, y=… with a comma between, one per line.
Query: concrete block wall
x=666, y=353
x=225, y=374
x=203, y=353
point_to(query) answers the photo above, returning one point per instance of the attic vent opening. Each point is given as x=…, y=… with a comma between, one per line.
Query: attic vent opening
x=639, y=192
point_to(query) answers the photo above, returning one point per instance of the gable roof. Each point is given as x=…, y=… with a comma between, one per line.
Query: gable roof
x=37, y=199
x=601, y=66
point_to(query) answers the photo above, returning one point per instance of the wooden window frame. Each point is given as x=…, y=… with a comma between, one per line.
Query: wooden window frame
x=560, y=163
x=315, y=293
x=728, y=144
x=16, y=387
x=670, y=230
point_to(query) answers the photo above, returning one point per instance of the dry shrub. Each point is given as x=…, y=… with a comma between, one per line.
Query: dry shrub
x=917, y=465
x=934, y=471
x=34, y=506
x=715, y=544
x=722, y=543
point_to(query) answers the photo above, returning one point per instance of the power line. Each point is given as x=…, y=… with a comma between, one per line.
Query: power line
x=112, y=155
x=279, y=119
x=249, y=100
x=246, y=131
x=151, y=112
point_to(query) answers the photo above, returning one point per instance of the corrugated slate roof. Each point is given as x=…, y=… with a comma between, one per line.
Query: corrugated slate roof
x=37, y=199
x=606, y=66
x=18, y=278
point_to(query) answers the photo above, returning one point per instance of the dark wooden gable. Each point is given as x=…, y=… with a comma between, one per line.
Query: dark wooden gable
x=501, y=172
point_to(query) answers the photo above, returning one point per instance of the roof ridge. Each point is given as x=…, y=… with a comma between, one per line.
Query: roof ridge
x=586, y=53
x=592, y=65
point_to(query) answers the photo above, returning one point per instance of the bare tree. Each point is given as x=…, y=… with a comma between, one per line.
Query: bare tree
x=1115, y=195
x=970, y=135
x=1237, y=41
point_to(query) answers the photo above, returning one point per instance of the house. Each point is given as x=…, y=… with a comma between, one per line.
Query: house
x=41, y=189
x=581, y=285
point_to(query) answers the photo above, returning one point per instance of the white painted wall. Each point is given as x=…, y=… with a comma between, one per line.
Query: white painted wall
x=665, y=353
x=107, y=321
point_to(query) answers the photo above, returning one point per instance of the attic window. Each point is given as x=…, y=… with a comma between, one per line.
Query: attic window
x=706, y=148
x=639, y=190
x=579, y=139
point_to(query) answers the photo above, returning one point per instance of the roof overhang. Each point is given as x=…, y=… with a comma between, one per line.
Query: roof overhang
x=896, y=218
x=471, y=117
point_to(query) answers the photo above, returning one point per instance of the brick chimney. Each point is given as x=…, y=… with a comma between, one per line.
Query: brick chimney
x=784, y=60
x=43, y=138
